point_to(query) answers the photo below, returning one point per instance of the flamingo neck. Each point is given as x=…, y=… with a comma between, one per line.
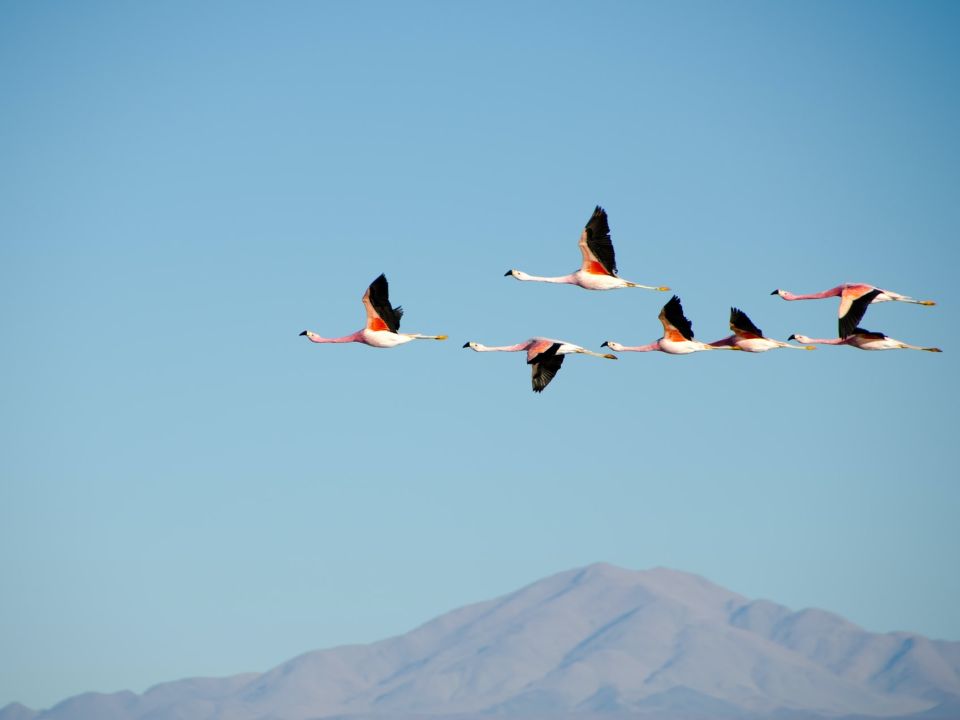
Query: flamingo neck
x=353, y=337
x=827, y=341
x=564, y=280
x=832, y=292
x=501, y=348
x=642, y=348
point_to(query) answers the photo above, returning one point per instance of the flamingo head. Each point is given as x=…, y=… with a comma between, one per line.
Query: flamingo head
x=615, y=346
x=472, y=345
x=799, y=338
x=777, y=292
x=518, y=274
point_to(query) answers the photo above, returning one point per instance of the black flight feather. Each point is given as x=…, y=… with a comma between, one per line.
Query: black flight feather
x=380, y=299
x=868, y=334
x=544, y=366
x=740, y=321
x=673, y=312
x=598, y=240
x=847, y=325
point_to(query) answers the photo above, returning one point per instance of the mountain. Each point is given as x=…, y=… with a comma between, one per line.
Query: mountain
x=599, y=642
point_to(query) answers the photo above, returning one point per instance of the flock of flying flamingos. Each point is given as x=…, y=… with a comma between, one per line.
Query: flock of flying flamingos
x=598, y=271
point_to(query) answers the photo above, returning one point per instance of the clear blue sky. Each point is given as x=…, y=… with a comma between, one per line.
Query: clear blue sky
x=189, y=488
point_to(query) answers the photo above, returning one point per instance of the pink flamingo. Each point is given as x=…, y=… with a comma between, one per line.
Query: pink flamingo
x=749, y=338
x=849, y=292
x=598, y=271
x=677, y=335
x=864, y=340
x=860, y=338
x=544, y=356
x=383, y=322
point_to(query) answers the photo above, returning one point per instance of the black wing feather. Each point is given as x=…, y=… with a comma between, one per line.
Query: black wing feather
x=869, y=334
x=544, y=366
x=739, y=320
x=847, y=325
x=380, y=299
x=598, y=240
x=673, y=312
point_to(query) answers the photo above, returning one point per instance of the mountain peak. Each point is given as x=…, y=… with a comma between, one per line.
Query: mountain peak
x=598, y=639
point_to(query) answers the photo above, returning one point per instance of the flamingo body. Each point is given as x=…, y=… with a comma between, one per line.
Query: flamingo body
x=749, y=338
x=864, y=340
x=677, y=335
x=544, y=355
x=850, y=293
x=382, y=329
x=598, y=269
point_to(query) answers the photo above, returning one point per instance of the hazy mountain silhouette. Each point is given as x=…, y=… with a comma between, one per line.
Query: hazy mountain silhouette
x=596, y=642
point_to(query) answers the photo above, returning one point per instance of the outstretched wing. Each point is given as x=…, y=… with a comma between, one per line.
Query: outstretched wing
x=380, y=314
x=676, y=327
x=848, y=324
x=596, y=246
x=742, y=326
x=544, y=366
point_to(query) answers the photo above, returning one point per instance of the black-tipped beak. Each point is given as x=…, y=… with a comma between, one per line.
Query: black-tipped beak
x=775, y=292
x=792, y=337
x=303, y=333
x=508, y=273
x=604, y=345
x=466, y=344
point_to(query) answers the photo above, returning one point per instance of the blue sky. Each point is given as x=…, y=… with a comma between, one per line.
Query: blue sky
x=189, y=488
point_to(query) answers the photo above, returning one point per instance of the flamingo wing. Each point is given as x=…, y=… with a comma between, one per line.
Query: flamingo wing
x=849, y=293
x=676, y=327
x=869, y=334
x=742, y=326
x=544, y=365
x=381, y=315
x=849, y=322
x=596, y=246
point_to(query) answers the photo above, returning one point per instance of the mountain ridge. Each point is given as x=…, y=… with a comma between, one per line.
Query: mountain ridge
x=599, y=640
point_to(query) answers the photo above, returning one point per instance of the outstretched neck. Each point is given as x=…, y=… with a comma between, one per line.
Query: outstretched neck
x=563, y=280
x=655, y=345
x=822, y=341
x=313, y=337
x=500, y=348
x=832, y=292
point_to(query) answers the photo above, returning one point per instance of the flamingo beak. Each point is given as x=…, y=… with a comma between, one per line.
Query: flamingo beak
x=792, y=337
x=303, y=333
x=466, y=344
x=775, y=292
x=605, y=344
x=508, y=273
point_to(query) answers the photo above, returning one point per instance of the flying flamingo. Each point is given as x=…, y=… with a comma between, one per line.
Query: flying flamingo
x=750, y=338
x=677, y=335
x=849, y=292
x=860, y=338
x=864, y=340
x=544, y=356
x=383, y=322
x=598, y=271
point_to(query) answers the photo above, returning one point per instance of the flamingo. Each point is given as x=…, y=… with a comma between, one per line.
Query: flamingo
x=750, y=338
x=598, y=271
x=677, y=335
x=383, y=322
x=864, y=340
x=544, y=356
x=849, y=292
x=860, y=338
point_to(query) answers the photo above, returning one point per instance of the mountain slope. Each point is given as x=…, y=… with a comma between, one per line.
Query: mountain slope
x=595, y=641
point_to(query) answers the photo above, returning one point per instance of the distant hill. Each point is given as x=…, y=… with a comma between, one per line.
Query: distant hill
x=595, y=643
